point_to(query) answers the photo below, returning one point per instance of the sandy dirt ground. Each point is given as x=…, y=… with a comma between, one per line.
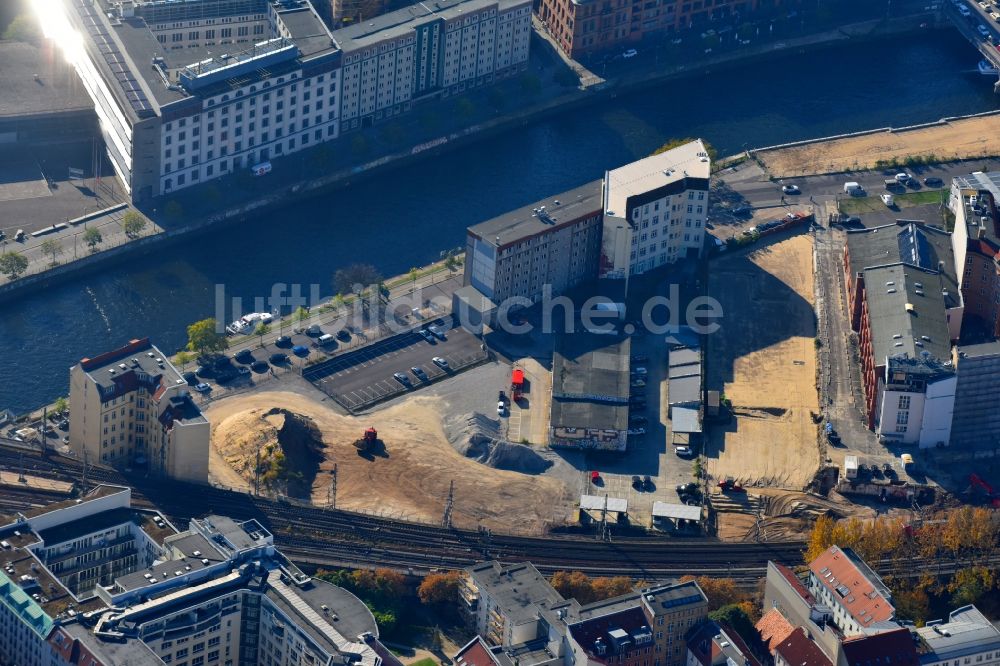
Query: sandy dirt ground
x=764, y=360
x=412, y=481
x=782, y=514
x=962, y=139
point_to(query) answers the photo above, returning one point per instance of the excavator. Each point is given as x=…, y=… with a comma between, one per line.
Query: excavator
x=369, y=443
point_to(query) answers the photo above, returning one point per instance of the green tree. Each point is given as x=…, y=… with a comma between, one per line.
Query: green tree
x=92, y=237
x=203, y=337
x=261, y=330
x=51, y=247
x=13, y=264
x=465, y=107
x=174, y=210
x=60, y=405
x=23, y=28
x=183, y=358
x=133, y=224
x=676, y=143
x=414, y=274
x=737, y=616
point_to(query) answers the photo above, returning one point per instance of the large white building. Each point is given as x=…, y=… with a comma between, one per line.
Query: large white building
x=428, y=49
x=218, y=594
x=131, y=408
x=655, y=211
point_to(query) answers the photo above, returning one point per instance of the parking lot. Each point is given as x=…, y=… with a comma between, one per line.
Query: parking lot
x=364, y=377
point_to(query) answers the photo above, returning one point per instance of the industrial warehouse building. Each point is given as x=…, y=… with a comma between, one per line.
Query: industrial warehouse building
x=190, y=91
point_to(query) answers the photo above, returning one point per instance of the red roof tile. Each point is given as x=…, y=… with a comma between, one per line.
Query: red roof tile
x=794, y=581
x=889, y=648
x=773, y=628
x=798, y=650
x=849, y=585
x=476, y=653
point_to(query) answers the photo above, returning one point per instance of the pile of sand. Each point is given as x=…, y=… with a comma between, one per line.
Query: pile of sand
x=477, y=436
x=256, y=439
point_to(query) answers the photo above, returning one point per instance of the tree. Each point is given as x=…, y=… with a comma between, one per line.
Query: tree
x=440, y=588
x=60, y=405
x=174, y=210
x=92, y=237
x=578, y=585
x=354, y=278
x=414, y=274
x=51, y=247
x=970, y=585
x=23, y=28
x=203, y=337
x=676, y=143
x=737, y=616
x=720, y=591
x=133, y=224
x=261, y=330
x=13, y=264
x=912, y=603
x=605, y=588
x=183, y=357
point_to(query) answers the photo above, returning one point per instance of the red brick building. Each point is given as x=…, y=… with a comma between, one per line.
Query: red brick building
x=581, y=27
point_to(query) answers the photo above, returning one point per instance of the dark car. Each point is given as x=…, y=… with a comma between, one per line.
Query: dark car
x=260, y=367
x=244, y=356
x=401, y=378
x=636, y=482
x=279, y=358
x=639, y=358
x=933, y=181
x=876, y=472
x=226, y=375
x=638, y=419
x=343, y=335
x=191, y=378
x=300, y=350
x=284, y=341
x=419, y=373
x=501, y=396
x=647, y=483
x=890, y=473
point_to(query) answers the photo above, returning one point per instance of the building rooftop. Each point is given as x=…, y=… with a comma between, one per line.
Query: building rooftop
x=36, y=80
x=307, y=30
x=773, y=628
x=529, y=221
x=684, y=356
x=517, y=588
x=590, y=381
x=95, y=493
x=888, y=648
x=657, y=176
x=477, y=653
x=684, y=390
x=401, y=22
x=967, y=632
x=980, y=226
x=858, y=589
x=119, y=367
x=799, y=650
x=97, y=522
x=906, y=311
x=711, y=643
x=605, y=635
x=991, y=348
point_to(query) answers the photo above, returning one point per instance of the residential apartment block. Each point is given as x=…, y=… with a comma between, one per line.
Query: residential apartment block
x=428, y=49
x=582, y=27
x=549, y=247
x=655, y=211
x=842, y=614
x=976, y=423
x=218, y=594
x=976, y=239
x=131, y=408
x=527, y=622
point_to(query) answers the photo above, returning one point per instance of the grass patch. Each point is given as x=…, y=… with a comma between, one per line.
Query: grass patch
x=872, y=204
x=427, y=661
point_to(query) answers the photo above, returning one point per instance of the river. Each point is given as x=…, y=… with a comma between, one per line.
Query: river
x=406, y=217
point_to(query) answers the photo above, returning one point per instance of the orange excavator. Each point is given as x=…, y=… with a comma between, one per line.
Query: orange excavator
x=369, y=442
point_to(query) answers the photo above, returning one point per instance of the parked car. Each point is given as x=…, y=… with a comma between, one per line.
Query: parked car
x=682, y=451
x=933, y=181
x=438, y=332
x=284, y=341
x=647, y=483
x=419, y=373
x=983, y=30
x=630, y=53
x=426, y=335
x=401, y=378
x=202, y=387
x=638, y=383
x=244, y=356
x=501, y=396
x=243, y=370
x=636, y=482
x=190, y=378
x=278, y=358
x=501, y=407
x=640, y=358
x=637, y=420
x=791, y=189
x=314, y=331
x=902, y=177
x=595, y=478
x=639, y=371
x=343, y=335
x=300, y=350
x=440, y=362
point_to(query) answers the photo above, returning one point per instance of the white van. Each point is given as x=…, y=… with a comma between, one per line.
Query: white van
x=853, y=188
x=887, y=199
x=261, y=169
x=325, y=339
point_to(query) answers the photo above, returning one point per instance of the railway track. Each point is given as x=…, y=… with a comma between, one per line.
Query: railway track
x=324, y=537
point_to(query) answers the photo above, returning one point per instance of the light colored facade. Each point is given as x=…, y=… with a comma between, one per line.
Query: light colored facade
x=428, y=49
x=552, y=244
x=131, y=407
x=918, y=402
x=501, y=602
x=655, y=211
x=227, y=84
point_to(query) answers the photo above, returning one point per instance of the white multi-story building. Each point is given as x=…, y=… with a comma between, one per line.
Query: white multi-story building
x=655, y=211
x=428, y=49
x=190, y=91
x=218, y=594
x=130, y=407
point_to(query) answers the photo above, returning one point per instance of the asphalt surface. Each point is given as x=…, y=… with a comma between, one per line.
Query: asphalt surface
x=357, y=379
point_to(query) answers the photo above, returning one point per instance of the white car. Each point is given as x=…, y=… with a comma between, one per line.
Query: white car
x=682, y=451
x=630, y=53
x=438, y=332
x=501, y=408
x=902, y=177
x=440, y=362
x=983, y=30
x=639, y=371
x=202, y=388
